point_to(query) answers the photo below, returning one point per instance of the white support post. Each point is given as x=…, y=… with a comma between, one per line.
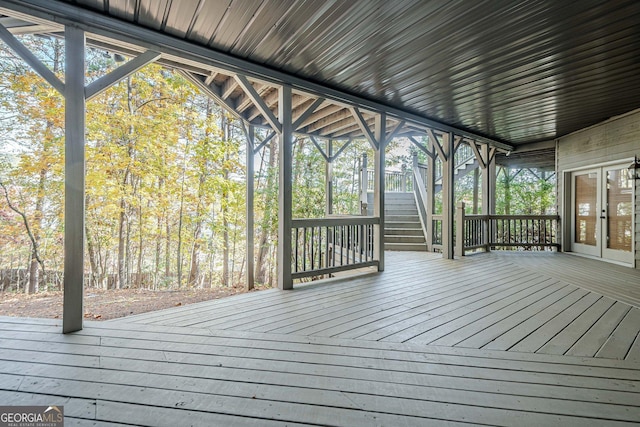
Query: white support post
x=329, y=178
x=378, y=190
x=364, y=186
x=285, y=281
x=476, y=184
x=491, y=166
x=448, y=196
x=74, y=180
x=431, y=192
x=460, y=230
x=250, y=157
x=488, y=191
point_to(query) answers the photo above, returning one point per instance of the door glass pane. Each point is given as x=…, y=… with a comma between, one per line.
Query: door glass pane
x=585, y=208
x=619, y=209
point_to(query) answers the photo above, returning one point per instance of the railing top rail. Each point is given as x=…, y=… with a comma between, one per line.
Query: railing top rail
x=557, y=217
x=334, y=221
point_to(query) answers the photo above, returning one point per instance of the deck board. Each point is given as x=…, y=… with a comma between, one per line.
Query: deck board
x=501, y=300
x=619, y=343
x=486, y=340
x=153, y=378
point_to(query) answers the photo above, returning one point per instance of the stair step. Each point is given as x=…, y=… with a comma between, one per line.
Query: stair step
x=402, y=204
x=413, y=211
x=407, y=224
x=398, y=196
x=405, y=247
x=403, y=231
x=401, y=218
x=404, y=239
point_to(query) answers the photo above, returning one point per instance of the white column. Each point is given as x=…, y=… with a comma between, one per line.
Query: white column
x=431, y=192
x=378, y=190
x=329, y=178
x=448, y=197
x=488, y=189
x=74, y=209
x=250, y=210
x=285, y=189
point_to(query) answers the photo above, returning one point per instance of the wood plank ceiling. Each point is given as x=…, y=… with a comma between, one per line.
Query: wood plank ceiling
x=515, y=71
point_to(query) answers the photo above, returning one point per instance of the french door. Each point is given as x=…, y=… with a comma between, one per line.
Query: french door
x=602, y=213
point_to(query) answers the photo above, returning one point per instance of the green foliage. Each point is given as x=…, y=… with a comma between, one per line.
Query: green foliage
x=164, y=182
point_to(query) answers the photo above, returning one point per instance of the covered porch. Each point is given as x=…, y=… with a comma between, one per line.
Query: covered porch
x=487, y=339
x=492, y=338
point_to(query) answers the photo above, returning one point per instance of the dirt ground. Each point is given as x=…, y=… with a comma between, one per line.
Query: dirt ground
x=107, y=304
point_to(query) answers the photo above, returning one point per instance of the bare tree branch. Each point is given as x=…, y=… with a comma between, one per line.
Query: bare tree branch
x=26, y=226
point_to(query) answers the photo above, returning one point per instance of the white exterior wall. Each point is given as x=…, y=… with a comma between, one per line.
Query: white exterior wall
x=617, y=139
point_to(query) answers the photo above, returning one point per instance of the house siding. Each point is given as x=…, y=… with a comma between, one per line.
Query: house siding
x=610, y=141
x=637, y=224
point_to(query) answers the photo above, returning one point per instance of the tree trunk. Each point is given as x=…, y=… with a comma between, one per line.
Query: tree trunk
x=507, y=191
x=167, y=249
x=93, y=262
x=32, y=285
x=121, y=245
x=194, y=270
x=140, y=243
x=262, y=269
x=180, y=217
x=225, y=215
x=158, y=241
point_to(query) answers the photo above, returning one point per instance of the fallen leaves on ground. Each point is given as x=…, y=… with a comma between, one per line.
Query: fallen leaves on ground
x=100, y=304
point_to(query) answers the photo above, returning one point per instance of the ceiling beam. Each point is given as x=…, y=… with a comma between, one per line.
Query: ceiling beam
x=306, y=113
x=342, y=129
x=210, y=78
x=327, y=110
x=328, y=120
x=65, y=13
x=228, y=87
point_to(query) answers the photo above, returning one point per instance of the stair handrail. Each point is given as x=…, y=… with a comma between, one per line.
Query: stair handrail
x=420, y=194
x=462, y=156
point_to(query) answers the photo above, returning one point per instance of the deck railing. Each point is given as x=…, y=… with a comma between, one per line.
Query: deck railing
x=436, y=233
x=329, y=245
x=394, y=181
x=530, y=232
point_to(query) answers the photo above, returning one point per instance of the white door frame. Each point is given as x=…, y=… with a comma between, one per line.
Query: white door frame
x=599, y=251
x=615, y=254
x=580, y=247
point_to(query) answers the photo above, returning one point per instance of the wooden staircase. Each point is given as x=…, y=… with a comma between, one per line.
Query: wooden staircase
x=402, y=231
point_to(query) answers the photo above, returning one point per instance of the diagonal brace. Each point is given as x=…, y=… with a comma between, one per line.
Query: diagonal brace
x=105, y=82
x=362, y=123
x=315, y=142
x=259, y=102
x=308, y=112
x=28, y=57
x=346, y=144
x=422, y=147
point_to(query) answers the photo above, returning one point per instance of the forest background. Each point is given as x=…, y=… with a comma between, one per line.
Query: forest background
x=165, y=182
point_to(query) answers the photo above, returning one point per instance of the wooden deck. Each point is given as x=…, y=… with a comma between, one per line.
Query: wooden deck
x=536, y=303
x=487, y=340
